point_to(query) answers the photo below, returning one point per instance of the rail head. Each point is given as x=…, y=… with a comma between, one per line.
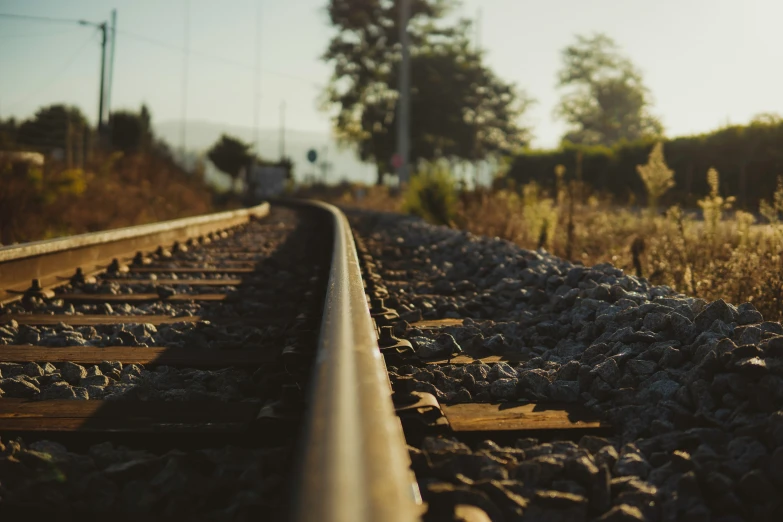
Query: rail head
x=52, y=259
x=50, y=246
x=354, y=464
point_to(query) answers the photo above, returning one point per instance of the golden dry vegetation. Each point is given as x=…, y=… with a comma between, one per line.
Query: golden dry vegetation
x=112, y=190
x=711, y=252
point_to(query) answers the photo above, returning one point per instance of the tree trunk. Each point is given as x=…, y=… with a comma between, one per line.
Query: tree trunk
x=380, y=173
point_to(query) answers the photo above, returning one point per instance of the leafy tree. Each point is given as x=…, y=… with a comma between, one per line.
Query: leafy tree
x=53, y=127
x=230, y=155
x=459, y=108
x=130, y=131
x=8, y=129
x=607, y=101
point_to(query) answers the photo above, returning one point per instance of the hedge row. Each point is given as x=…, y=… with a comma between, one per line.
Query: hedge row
x=749, y=159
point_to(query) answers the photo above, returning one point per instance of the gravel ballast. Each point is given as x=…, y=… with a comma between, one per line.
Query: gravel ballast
x=694, y=390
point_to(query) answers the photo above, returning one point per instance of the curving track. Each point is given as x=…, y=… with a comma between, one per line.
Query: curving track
x=247, y=329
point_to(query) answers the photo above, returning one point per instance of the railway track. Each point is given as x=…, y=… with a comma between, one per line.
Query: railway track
x=222, y=367
x=278, y=364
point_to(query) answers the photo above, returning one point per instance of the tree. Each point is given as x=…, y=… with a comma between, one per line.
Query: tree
x=130, y=131
x=230, y=155
x=607, y=101
x=54, y=127
x=459, y=108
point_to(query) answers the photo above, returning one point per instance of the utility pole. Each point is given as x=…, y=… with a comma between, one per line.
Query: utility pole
x=403, y=102
x=102, y=27
x=282, y=130
x=257, y=74
x=111, y=66
x=184, y=102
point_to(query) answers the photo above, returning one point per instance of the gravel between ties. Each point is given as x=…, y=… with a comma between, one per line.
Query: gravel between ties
x=278, y=306
x=693, y=389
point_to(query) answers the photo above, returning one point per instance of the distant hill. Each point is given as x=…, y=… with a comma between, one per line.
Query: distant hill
x=200, y=135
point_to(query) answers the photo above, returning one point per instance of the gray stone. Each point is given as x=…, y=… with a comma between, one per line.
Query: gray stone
x=746, y=453
x=569, y=371
x=425, y=347
x=607, y=456
x=18, y=387
x=681, y=326
x=72, y=372
x=11, y=369
x=58, y=390
x=716, y=310
x=641, y=367
x=95, y=380
x=632, y=465
x=747, y=314
x=504, y=389
x=447, y=344
x=662, y=389
x=32, y=369
x=563, y=391
x=656, y=321
x=608, y=371
x=534, y=380
x=671, y=357
x=496, y=344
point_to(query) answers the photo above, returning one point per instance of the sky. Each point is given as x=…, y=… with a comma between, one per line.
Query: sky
x=706, y=62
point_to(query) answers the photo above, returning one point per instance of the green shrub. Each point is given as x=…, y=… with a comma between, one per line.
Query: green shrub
x=431, y=195
x=749, y=158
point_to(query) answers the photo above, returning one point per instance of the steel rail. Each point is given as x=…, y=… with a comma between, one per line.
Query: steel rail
x=52, y=259
x=354, y=462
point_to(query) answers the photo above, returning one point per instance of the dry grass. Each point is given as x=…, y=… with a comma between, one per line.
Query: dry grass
x=713, y=254
x=111, y=191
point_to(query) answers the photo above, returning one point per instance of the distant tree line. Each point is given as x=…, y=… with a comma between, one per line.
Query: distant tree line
x=748, y=157
x=65, y=128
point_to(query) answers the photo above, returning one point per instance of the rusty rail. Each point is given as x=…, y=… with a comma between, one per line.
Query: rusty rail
x=51, y=260
x=355, y=465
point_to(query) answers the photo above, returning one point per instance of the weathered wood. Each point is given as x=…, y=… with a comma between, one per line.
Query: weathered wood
x=178, y=263
x=436, y=323
x=126, y=416
x=183, y=357
x=93, y=320
x=470, y=357
x=192, y=270
x=140, y=298
x=516, y=416
x=189, y=282
x=267, y=319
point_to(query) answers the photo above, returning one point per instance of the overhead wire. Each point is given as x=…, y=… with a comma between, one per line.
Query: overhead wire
x=215, y=58
x=47, y=84
x=32, y=18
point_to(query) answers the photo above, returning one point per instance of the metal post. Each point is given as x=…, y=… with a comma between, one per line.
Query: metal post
x=403, y=105
x=111, y=60
x=282, y=130
x=184, y=101
x=103, y=77
x=257, y=75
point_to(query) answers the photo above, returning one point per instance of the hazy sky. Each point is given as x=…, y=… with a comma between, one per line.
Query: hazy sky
x=706, y=62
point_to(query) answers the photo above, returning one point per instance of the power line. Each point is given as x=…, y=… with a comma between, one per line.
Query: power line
x=40, y=18
x=52, y=79
x=215, y=58
x=8, y=36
